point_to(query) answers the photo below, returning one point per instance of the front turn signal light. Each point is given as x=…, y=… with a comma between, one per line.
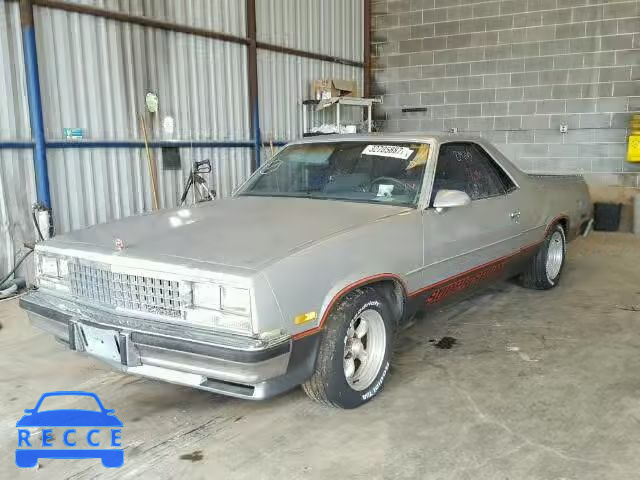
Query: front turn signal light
x=305, y=318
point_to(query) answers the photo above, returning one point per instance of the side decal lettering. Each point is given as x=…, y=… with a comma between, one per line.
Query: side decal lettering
x=456, y=286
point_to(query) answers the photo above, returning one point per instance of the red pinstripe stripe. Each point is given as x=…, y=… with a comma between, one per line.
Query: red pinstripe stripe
x=393, y=276
x=474, y=269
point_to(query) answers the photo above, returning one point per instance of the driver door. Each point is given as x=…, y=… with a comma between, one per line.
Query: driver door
x=466, y=245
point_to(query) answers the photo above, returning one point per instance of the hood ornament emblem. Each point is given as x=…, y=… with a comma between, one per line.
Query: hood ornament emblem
x=119, y=244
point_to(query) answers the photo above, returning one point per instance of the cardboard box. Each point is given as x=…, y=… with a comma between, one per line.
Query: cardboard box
x=332, y=87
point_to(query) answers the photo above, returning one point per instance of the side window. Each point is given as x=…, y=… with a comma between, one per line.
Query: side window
x=505, y=179
x=467, y=167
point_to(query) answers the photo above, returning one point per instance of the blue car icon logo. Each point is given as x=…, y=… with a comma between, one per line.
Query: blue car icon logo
x=85, y=432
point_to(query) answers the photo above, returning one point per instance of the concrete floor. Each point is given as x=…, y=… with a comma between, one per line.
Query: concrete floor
x=540, y=385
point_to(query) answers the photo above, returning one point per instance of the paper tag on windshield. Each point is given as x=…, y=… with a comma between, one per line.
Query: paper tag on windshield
x=385, y=190
x=388, y=151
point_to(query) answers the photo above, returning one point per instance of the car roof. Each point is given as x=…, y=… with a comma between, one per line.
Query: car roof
x=436, y=137
x=391, y=137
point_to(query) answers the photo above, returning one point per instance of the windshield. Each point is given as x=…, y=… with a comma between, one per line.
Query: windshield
x=386, y=172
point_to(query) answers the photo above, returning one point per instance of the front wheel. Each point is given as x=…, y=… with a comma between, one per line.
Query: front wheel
x=355, y=352
x=545, y=267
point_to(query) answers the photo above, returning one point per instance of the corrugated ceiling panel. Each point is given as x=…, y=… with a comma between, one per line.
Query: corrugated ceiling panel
x=226, y=16
x=101, y=185
x=284, y=81
x=330, y=27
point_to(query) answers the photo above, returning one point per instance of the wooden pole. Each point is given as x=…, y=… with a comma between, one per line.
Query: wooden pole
x=150, y=164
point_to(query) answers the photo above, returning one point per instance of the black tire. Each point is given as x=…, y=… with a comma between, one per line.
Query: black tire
x=328, y=385
x=536, y=275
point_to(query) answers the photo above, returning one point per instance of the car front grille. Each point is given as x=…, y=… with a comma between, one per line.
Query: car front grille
x=97, y=283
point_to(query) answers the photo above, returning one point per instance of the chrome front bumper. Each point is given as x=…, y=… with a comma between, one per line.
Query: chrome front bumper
x=228, y=364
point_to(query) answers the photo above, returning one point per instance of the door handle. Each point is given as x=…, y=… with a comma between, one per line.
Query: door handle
x=515, y=216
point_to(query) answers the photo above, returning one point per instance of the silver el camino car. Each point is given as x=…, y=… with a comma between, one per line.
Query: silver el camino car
x=303, y=277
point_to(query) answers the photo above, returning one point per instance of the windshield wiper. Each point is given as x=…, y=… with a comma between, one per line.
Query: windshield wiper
x=273, y=194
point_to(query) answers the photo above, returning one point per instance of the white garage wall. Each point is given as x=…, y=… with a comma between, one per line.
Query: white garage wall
x=284, y=81
x=17, y=194
x=226, y=16
x=330, y=27
x=95, y=74
x=17, y=189
x=90, y=186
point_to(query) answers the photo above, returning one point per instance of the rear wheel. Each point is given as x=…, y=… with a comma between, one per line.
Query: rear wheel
x=355, y=351
x=545, y=267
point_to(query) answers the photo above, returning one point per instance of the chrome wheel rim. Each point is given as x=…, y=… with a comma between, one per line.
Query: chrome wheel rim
x=364, y=349
x=555, y=255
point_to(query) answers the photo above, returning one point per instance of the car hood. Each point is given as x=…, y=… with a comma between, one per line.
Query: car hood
x=245, y=232
x=69, y=418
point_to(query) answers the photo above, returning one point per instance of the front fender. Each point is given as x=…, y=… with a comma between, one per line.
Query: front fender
x=341, y=289
x=310, y=281
x=319, y=293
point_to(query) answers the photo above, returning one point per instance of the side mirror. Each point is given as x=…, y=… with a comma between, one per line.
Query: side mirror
x=450, y=199
x=28, y=410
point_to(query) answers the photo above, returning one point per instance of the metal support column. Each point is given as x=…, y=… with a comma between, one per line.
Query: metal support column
x=35, y=103
x=252, y=71
x=367, y=48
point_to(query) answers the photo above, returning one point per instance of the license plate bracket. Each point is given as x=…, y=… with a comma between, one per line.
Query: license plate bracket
x=100, y=342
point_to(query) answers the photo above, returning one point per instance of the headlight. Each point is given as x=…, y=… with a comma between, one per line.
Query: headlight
x=219, y=320
x=52, y=272
x=49, y=267
x=52, y=267
x=206, y=295
x=221, y=307
x=236, y=300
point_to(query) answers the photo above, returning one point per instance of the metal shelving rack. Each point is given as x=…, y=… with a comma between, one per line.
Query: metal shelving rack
x=337, y=102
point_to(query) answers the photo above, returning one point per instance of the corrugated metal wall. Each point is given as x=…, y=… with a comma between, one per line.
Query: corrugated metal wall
x=14, y=109
x=90, y=186
x=17, y=194
x=16, y=165
x=284, y=81
x=330, y=27
x=226, y=16
x=95, y=73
